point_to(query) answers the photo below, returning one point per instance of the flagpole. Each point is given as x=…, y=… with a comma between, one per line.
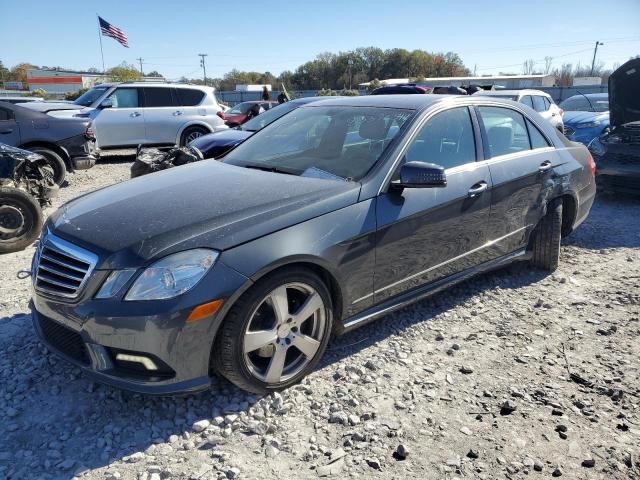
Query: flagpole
x=100, y=37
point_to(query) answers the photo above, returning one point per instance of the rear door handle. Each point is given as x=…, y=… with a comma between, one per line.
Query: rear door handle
x=7, y=131
x=544, y=166
x=177, y=112
x=478, y=188
x=135, y=114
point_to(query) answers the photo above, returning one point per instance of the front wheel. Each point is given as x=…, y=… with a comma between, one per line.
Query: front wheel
x=276, y=332
x=191, y=133
x=20, y=219
x=55, y=161
x=545, y=243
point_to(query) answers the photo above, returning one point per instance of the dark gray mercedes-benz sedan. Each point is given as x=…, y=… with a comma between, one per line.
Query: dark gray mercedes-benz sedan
x=336, y=214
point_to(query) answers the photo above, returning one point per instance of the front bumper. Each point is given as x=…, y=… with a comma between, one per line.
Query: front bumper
x=90, y=333
x=82, y=151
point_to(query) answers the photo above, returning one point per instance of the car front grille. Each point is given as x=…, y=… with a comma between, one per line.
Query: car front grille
x=64, y=339
x=61, y=268
x=568, y=130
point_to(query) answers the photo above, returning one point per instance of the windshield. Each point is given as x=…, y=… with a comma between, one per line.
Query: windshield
x=581, y=104
x=87, y=98
x=271, y=115
x=239, y=109
x=322, y=142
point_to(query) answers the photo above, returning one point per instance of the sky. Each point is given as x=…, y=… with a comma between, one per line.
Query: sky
x=490, y=36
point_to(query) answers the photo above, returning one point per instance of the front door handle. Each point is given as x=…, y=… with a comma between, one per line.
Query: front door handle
x=135, y=114
x=7, y=131
x=478, y=188
x=177, y=112
x=544, y=166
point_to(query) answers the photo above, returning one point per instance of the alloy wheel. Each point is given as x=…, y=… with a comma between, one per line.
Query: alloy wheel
x=284, y=332
x=193, y=135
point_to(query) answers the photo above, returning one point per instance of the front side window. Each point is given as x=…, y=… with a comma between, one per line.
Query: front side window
x=5, y=115
x=538, y=104
x=446, y=139
x=125, y=98
x=157, y=97
x=325, y=142
x=505, y=129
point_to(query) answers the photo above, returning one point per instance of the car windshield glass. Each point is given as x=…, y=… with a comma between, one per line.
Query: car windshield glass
x=271, y=115
x=581, y=104
x=239, y=109
x=323, y=142
x=87, y=98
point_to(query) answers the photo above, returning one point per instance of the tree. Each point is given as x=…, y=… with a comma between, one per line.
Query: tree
x=5, y=73
x=547, y=65
x=373, y=84
x=123, y=73
x=20, y=72
x=528, y=66
x=153, y=73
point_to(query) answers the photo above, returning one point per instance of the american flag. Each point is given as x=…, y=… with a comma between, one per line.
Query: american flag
x=114, y=32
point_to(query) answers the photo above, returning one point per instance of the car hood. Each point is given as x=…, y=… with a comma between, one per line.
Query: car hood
x=574, y=118
x=624, y=93
x=203, y=204
x=221, y=140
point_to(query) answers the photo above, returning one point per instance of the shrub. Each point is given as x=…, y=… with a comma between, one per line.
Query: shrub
x=325, y=92
x=73, y=95
x=349, y=93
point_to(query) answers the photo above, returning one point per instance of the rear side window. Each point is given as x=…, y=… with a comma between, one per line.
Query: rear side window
x=538, y=104
x=5, y=115
x=189, y=97
x=506, y=130
x=547, y=103
x=125, y=98
x=446, y=139
x=157, y=97
x=537, y=139
x=527, y=101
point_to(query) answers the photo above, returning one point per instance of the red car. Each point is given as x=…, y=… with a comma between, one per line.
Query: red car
x=245, y=111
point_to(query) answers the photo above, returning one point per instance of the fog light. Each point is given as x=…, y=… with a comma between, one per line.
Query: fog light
x=144, y=361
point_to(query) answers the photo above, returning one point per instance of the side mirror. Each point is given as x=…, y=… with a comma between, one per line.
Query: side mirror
x=106, y=103
x=421, y=175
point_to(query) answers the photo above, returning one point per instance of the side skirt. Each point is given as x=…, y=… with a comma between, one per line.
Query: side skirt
x=424, y=291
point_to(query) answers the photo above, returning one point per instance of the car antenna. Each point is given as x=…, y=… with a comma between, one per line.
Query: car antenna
x=590, y=104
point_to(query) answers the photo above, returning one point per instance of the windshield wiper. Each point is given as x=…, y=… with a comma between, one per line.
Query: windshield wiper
x=266, y=168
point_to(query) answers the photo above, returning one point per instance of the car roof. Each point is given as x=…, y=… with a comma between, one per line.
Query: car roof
x=151, y=84
x=520, y=91
x=408, y=101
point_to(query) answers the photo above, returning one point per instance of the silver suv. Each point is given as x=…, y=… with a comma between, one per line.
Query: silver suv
x=134, y=113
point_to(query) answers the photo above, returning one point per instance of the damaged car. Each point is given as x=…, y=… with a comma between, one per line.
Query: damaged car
x=617, y=152
x=26, y=186
x=330, y=217
x=67, y=144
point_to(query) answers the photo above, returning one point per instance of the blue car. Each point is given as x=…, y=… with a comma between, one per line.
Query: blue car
x=586, y=116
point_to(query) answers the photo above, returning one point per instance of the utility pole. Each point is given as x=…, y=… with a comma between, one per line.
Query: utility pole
x=203, y=65
x=140, y=60
x=350, y=63
x=475, y=70
x=595, y=50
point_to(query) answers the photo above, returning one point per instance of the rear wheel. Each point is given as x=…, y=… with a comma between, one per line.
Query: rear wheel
x=276, y=332
x=55, y=161
x=20, y=219
x=191, y=133
x=545, y=243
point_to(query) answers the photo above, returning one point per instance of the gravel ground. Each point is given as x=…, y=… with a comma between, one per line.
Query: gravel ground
x=515, y=374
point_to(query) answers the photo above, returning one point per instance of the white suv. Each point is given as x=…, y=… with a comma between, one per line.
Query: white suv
x=540, y=101
x=141, y=113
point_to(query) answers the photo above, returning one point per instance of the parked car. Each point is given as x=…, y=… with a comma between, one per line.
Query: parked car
x=217, y=144
x=245, y=111
x=67, y=144
x=617, y=151
x=19, y=99
x=399, y=89
x=139, y=113
x=585, y=116
x=26, y=185
x=540, y=101
x=247, y=265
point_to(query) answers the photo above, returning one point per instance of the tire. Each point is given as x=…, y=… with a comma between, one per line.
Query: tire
x=249, y=361
x=55, y=161
x=191, y=134
x=546, y=238
x=20, y=219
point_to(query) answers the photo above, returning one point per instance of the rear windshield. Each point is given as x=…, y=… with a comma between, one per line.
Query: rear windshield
x=241, y=108
x=89, y=97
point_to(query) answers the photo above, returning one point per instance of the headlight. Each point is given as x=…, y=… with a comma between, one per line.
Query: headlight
x=114, y=283
x=587, y=125
x=173, y=275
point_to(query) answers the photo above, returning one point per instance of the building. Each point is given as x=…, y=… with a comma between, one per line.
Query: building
x=506, y=81
x=253, y=88
x=59, y=82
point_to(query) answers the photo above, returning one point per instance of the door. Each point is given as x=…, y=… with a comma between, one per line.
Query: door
x=122, y=124
x=162, y=115
x=429, y=233
x=521, y=161
x=9, y=131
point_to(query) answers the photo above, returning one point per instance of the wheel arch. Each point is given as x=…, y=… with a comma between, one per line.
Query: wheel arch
x=51, y=146
x=194, y=123
x=569, y=212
